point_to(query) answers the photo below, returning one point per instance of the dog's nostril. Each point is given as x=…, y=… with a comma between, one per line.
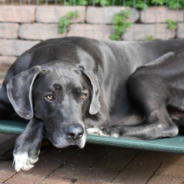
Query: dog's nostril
x=71, y=135
x=80, y=135
x=74, y=132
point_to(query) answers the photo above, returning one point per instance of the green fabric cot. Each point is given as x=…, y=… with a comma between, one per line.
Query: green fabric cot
x=15, y=125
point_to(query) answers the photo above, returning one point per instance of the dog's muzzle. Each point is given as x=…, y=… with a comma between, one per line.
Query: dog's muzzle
x=71, y=135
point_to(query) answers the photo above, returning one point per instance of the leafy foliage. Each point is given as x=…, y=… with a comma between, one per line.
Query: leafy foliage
x=129, y=3
x=149, y=38
x=140, y=4
x=171, y=24
x=120, y=24
x=64, y=22
x=174, y=4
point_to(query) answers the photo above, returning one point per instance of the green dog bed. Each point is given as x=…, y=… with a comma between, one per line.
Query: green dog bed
x=15, y=125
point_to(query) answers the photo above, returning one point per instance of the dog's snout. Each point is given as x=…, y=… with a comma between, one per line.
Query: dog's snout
x=74, y=132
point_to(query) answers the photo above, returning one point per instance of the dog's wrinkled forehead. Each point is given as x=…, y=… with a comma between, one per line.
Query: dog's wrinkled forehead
x=62, y=76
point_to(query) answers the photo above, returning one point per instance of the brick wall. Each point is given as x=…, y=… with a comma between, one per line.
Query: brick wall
x=21, y=27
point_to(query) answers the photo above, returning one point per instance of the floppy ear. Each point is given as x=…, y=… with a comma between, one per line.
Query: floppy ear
x=19, y=90
x=95, y=104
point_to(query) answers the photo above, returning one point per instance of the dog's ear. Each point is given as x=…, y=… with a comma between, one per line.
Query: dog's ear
x=95, y=93
x=19, y=90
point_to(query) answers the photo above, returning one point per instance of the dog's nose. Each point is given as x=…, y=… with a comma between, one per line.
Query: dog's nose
x=74, y=132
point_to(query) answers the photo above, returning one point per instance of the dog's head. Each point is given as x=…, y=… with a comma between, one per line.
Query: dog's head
x=60, y=95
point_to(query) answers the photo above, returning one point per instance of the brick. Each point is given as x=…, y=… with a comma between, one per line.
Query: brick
x=160, y=14
x=42, y=168
x=174, y=158
x=50, y=162
x=95, y=31
x=6, y=62
x=65, y=158
x=98, y=15
x=52, y=14
x=6, y=170
x=7, y=59
x=71, y=150
x=1, y=80
x=137, y=173
x=95, y=151
x=38, y=31
x=156, y=179
x=117, y=159
x=9, y=30
x=2, y=75
x=53, y=180
x=15, y=13
x=15, y=47
x=151, y=156
x=180, y=30
x=84, y=158
x=76, y=172
x=139, y=32
x=171, y=170
x=89, y=182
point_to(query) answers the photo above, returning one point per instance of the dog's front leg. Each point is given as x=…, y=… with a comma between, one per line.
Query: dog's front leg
x=27, y=146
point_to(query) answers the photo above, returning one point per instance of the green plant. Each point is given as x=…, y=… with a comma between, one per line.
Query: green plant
x=120, y=24
x=140, y=4
x=149, y=38
x=174, y=4
x=65, y=21
x=171, y=24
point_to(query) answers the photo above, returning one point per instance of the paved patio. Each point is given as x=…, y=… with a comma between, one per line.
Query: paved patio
x=95, y=164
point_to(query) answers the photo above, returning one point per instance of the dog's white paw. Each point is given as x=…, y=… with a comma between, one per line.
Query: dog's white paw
x=96, y=131
x=23, y=162
x=93, y=131
x=103, y=134
x=115, y=135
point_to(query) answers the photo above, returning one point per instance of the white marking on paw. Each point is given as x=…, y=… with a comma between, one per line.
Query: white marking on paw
x=23, y=162
x=103, y=134
x=159, y=126
x=93, y=131
x=115, y=135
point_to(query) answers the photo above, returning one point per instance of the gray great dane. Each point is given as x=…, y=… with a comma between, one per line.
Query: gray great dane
x=72, y=86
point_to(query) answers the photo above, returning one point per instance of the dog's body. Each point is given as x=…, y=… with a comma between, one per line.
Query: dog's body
x=71, y=84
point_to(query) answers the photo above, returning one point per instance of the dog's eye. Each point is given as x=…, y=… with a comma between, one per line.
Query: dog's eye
x=50, y=97
x=83, y=96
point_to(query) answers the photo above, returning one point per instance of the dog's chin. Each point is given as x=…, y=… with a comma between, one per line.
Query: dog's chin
x=62, y=142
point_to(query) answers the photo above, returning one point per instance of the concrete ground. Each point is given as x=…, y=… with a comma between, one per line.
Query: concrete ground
x=95, y=164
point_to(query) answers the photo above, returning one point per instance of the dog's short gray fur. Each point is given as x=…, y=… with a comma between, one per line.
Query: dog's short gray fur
x=131, y=89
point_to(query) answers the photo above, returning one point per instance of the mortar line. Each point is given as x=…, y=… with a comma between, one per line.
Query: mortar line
x=101, y=158
x=153, y=173
x=125, y=166
x=47, y=176
x=10, y=177
x=60, y=166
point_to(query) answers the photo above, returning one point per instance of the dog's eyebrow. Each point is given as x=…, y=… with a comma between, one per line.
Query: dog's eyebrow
x=57, y=86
